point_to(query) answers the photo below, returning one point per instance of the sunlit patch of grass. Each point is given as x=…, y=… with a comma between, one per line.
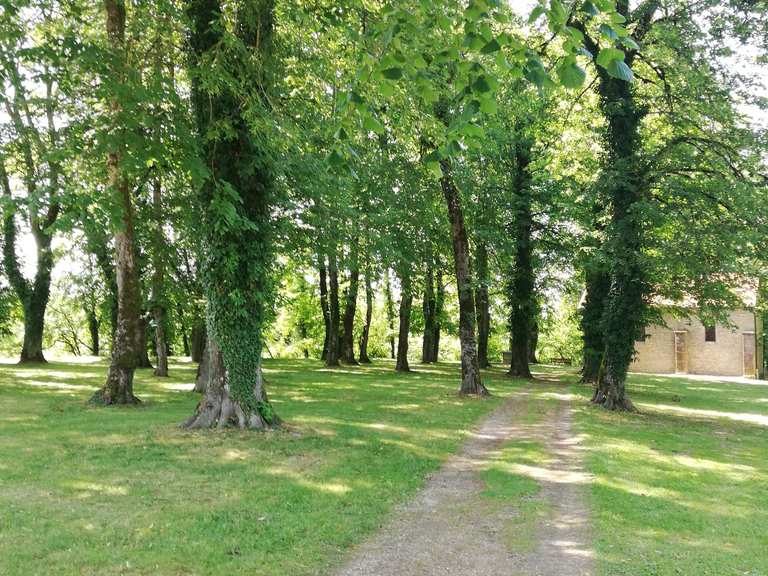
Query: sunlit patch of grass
x=680, y=491
x=124, y=491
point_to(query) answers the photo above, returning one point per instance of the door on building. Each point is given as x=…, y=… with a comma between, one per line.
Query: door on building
x=681, y=352
x=749, y=354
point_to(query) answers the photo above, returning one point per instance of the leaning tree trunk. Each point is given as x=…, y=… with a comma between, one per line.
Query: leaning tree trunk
x=482, y=305
x=428, y=307
x=439, y=305
x=324, y=304
x=332, y=357
x=364, y=359
x=390, y=310
x=406, y=303
x=118, y=389
x=158, y=281
x=218, y=409
x=350, y=307
x=521, y=289
x=470, y=368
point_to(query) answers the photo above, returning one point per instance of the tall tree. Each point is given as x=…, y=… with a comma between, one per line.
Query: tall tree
x=118, y=389
x=235, y=199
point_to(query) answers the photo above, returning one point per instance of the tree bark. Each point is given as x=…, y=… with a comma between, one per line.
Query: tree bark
x=470, y=368
x=534, y=343
x=203, y=371
x=439, y=306
x=482, y=305
x=93, y=329
x=521, y=296
x=218, y=409
x=324, y=304
x=142, y=343
x=118, y=389
x=406, y=303
x=199, y=338
x=390, y=310
x=598, y=285
x=158, y=282
x=428, y=307
x=364, y=359
x=332, y=358
x=350, y=307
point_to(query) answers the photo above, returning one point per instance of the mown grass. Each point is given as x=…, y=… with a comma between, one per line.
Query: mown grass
x=683, y=487
x=93, y=491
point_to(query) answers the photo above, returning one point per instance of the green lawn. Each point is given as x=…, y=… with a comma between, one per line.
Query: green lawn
x=92, y=491
x=683, y=487
x=679, y=489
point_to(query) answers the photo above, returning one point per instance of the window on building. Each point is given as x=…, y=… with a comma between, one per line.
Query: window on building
x=710, y=333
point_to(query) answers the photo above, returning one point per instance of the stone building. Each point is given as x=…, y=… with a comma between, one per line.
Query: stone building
x=686, y=346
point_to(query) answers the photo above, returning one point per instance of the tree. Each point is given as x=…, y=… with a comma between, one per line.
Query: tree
x=235, y=197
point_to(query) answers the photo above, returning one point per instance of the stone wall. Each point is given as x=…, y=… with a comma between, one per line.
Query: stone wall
x=724, y=357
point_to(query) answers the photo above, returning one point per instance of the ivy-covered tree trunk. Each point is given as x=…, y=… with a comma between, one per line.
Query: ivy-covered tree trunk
x=323, y=271
x=439, y=305
x=406, y=303
x=350, y=308
x=158, y=281
x=364, y=359
x=332, y=356
x=118, y=389
x=598, y=285
x=521, y=288
x=625, y=305
x=237, y=253
x=470, y=368
x=482, y=306
x=428, y=308
x=390, y=310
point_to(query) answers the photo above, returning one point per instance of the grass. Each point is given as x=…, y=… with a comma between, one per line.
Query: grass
x=683, y=487
x=91, y=491
x=680, y=489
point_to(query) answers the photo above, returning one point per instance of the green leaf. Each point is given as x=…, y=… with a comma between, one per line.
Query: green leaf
x=608, y=32
x=434, y=169
x=481, y=85
x=488, y=106
x=371, y=124
x=608, y=55
x=491, y=47
x=590, y=9
x=630, y=43
x=538, y=11
x=394, y=73
x=619, y=69
x=571, y=75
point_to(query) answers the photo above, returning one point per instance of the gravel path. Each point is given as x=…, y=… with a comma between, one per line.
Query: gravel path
x=450, y=529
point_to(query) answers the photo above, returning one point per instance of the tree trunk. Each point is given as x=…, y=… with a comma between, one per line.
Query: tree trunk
x=390, y=310
x=364, y=359
x=482, y=305
x=324, y=304
x=534, y=343
x=470, y=369
x=199, y=339
x=406, y=303
x=439, y=305
x=332, y=358
x=118, y=389
x=625, y=305
x=158, y=282
x=350, y=307
x=428, y=306
x=142, y=343
x=203, y=371
x=598, y=285
x=218, y=409
x=93, y=329
x=33, y=296
x=521, y=295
